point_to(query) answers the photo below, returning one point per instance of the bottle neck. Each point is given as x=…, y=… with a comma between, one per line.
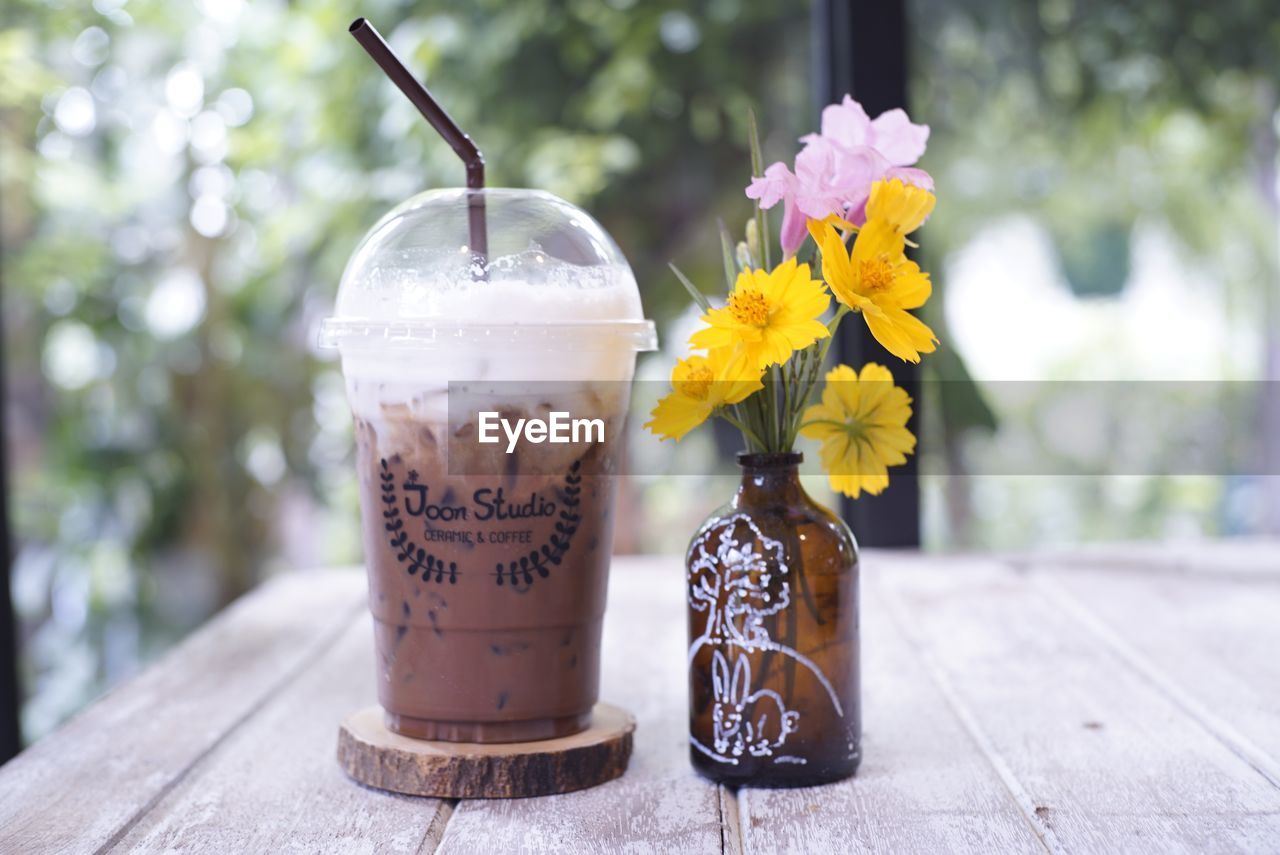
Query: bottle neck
x=769, y=479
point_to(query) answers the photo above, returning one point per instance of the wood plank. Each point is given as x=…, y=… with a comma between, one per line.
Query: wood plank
x=78, y=788
x=274, y=784
x=660, y=804
x=1209, y=645
x=1108, y=760
x=924, y=785
x=1243, y=558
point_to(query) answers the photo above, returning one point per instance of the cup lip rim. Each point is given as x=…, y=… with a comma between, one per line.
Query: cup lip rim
x=351, y=333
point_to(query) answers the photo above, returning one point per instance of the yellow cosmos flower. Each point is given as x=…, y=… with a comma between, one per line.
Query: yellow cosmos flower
x=699, y=385
x=862, y=424
x=875, y=277
x=903, y=206
x=770, y=315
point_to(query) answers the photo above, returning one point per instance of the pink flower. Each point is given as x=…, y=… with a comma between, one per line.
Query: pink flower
x=892, y=133
x=779, y=184
x=835, y=170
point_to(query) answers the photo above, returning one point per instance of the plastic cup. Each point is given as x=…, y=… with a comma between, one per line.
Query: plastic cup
x=487, y=569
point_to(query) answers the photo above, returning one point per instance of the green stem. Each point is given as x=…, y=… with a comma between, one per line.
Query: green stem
x=797, y=385
x=799, y=369
x=814, y=371
x=770, y=411
x=781, y=414
x=747, y=432
x=832, y=324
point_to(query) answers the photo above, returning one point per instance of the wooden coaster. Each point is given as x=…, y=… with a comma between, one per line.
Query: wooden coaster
x=377, y=757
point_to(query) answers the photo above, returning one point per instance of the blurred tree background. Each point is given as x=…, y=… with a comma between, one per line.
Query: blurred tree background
x=182, y=184
x=1110, y=211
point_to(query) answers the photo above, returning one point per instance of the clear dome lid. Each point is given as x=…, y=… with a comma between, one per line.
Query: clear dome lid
x=551, y=276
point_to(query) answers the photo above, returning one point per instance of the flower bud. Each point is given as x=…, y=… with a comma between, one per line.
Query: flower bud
x=753, y=239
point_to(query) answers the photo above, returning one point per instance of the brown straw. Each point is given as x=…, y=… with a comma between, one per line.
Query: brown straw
x=371, y=40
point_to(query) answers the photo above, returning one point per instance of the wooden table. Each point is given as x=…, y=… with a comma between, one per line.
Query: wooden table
x=1108, y=700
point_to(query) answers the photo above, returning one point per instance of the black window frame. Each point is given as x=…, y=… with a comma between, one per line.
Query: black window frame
x=861, y=50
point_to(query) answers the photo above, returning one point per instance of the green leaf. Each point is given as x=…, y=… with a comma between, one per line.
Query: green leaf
x=726, y=249
x=757, y=171
x=698, y=296
x=753, y=131
x=961, y=401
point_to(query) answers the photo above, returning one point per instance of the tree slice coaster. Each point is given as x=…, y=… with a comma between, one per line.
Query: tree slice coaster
x=377, y=757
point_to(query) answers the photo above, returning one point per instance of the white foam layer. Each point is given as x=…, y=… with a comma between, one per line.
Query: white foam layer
x=528, y=287
x=382, y=373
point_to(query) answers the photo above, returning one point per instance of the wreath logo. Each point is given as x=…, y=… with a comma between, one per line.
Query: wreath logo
x=517, y=574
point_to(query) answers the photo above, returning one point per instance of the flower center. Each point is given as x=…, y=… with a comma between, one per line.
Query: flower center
x=697, y=384
x=749, y=308
x=876, y=273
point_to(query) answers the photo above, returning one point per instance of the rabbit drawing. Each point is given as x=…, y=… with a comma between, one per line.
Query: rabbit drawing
x=745, y=721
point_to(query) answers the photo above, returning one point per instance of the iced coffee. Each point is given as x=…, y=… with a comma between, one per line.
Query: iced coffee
x=488, y=544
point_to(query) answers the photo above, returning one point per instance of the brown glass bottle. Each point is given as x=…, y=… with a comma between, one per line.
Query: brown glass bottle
x=773, y=633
